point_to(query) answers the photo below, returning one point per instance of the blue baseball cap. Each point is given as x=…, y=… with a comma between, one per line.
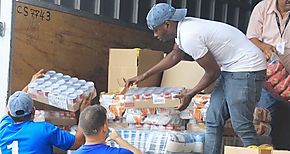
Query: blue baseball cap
x=20, y=104
x=162, y=12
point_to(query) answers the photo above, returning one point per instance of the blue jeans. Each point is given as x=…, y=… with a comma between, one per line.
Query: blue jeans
x=235, y=96
x=280, y=112
x=267, y=101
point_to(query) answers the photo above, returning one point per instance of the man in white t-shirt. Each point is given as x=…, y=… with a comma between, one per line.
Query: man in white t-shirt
x=226, y=55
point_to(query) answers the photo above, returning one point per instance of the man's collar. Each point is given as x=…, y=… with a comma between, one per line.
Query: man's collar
x=272, y=5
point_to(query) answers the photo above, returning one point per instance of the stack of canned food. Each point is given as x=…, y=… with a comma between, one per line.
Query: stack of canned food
x=61, y=88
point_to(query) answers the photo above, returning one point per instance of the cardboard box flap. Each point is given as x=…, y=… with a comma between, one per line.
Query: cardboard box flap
x=123, y=57
x=147, y=59
x=141, y=59
x=185, y=74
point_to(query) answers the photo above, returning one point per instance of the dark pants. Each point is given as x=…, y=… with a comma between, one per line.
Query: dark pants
x=280, y=112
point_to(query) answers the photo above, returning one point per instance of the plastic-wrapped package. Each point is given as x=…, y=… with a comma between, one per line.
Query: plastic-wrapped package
x=278, y=79
x=117, y=110
x=281, y=86
x=197, y=108
x=134, y=116
x=148, y=111
x=273, y=67
x=61, y=91
x=200, y=100
x=163, y=142
x=286, y=94
x=106, y=101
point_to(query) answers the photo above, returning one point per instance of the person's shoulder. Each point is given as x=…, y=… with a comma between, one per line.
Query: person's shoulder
x=190, y=24
x=117, y=150
x=48, y=127
x=189, y=19
x=42, y=124
x=125, y=151
x=263, y=2
x=263, y=5
x=78, y=151
x=101, y=148
x=5, y=120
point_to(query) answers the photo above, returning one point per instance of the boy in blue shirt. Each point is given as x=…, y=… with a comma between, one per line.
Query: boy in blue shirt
x=93, y=122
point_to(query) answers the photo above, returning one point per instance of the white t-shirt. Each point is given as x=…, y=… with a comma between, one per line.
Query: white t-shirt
x=232, y=50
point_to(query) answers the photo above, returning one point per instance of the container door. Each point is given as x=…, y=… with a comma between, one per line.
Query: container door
x=6, y=33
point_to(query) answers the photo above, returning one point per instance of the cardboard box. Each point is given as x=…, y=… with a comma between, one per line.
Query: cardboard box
x=57, y=105
x=61, y=104
x=166, y=103
x=185, y=74
x=107, y=99
x=127, y=63
x=243, y=150
x=280, y=152
x=63, y=118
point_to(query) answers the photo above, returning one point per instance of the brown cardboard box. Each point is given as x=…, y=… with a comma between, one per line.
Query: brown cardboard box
x=185, y=74
x=127, y=63
x=243, y=150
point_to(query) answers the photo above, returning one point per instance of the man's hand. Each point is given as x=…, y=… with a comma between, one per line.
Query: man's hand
x=185, y=98
x=269, y=50
x=86, y=102
x=34, y=77
x=121, y=142
x=37, y=75
x=113, y=135
x=135, y=80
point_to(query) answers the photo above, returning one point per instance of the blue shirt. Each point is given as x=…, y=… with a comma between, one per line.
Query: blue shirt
x=101, y=148
x=32, y=137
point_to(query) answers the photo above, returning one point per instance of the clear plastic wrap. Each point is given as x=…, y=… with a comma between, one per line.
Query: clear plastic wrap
x=163, y=142
x=278, y=79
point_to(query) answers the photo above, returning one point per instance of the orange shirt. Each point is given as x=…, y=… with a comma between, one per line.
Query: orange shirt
x=263, y=26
